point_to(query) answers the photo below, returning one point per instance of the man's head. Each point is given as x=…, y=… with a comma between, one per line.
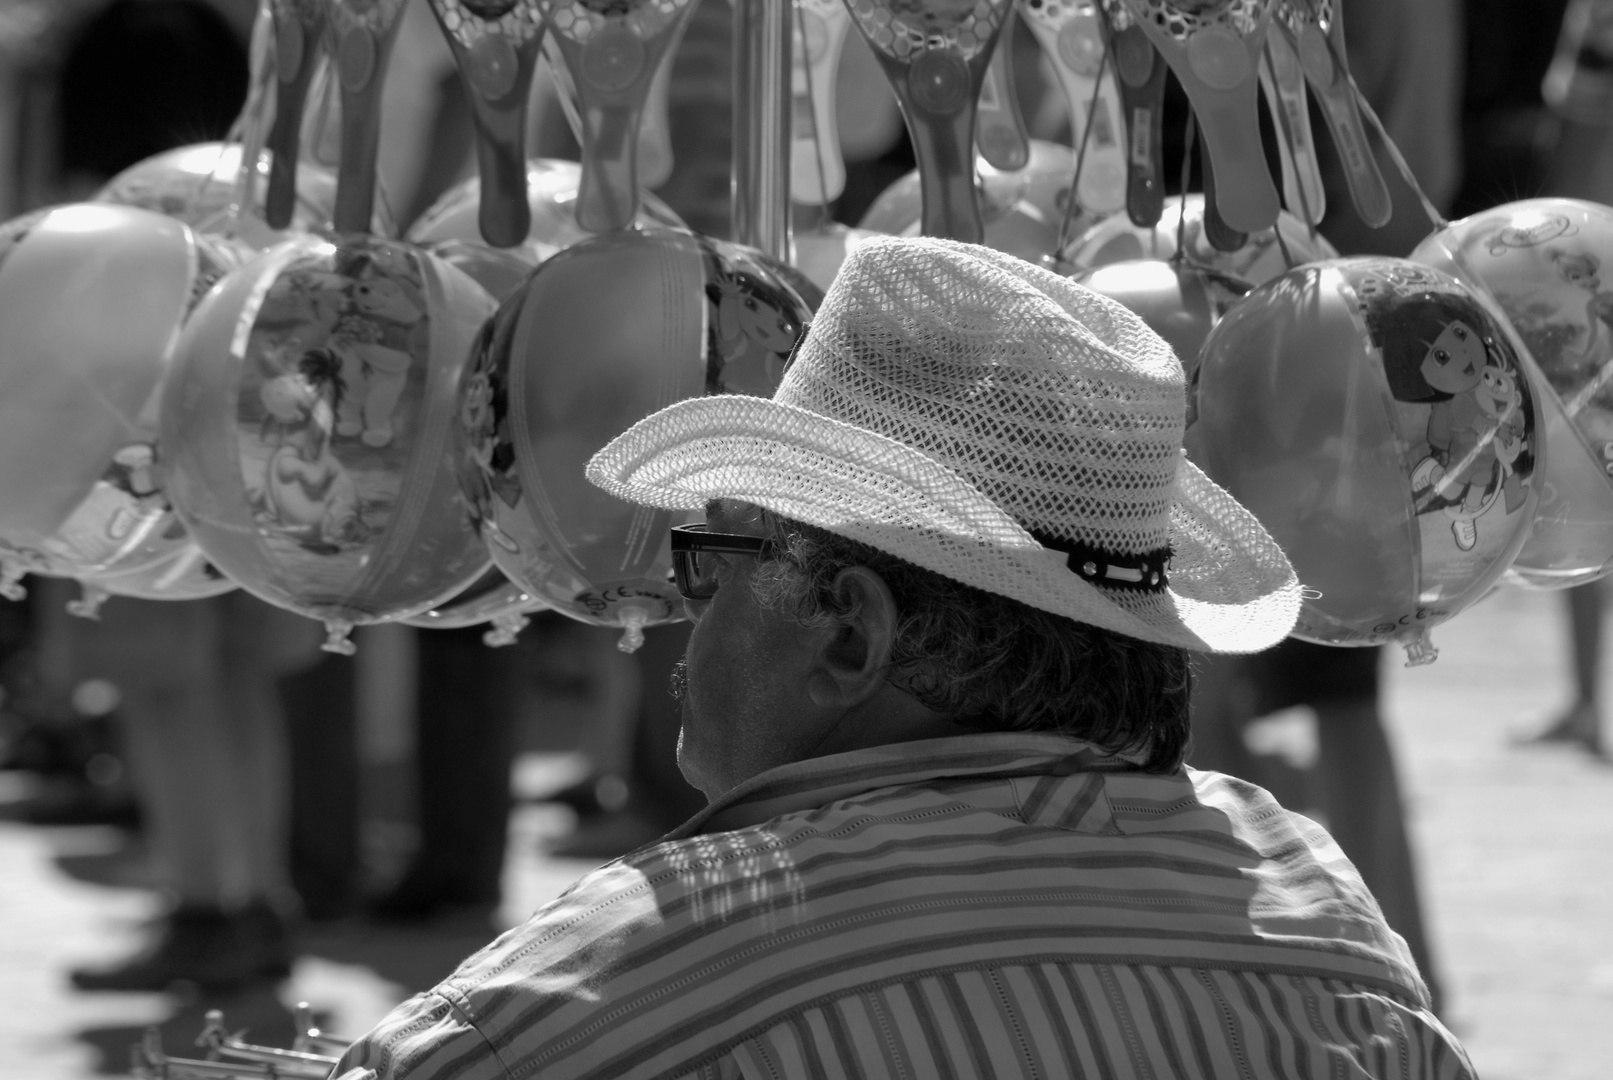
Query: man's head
x=979, y=517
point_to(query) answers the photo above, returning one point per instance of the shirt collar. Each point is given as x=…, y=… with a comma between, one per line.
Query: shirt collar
x=806, y=785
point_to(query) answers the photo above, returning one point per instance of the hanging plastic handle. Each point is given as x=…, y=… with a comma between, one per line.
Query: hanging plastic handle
x=497, y=50
x=1140, y=79
x=1000, y=132
x=299, y=35
x=1216, y=61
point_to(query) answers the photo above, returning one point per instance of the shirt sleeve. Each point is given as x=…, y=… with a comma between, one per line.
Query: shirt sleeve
x=429, y=1037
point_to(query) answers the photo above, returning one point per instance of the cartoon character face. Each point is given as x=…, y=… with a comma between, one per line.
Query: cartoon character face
x=287, y=398
x=384, y=299
x=764, y=324
x=1578, y=270
x=476, y=405
x=1497, y=393
x=1455, y=359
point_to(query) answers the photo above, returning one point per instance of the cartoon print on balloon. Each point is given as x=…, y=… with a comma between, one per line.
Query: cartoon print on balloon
x=1480, y=442
x=330, y=359
x=752, y=328
x=488, y=469
x=306, y=492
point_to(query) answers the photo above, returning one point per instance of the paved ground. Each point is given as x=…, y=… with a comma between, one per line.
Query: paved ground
x=1517, y=867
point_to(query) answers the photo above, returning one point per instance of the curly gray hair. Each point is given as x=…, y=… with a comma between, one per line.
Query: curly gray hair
x=987, y=660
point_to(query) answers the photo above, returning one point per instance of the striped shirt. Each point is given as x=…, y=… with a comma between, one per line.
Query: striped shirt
x=989, y=906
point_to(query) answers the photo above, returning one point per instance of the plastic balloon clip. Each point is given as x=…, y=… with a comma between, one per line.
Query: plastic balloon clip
x=496, y=45
x=1140, y=72
x=1071, y=35
x=1000, y=132
x=299, y=31
x=361, y=34
x=1316, y=32
x=817, y=167
x=935, y=57
x=1282, y=80
x=612, y=52
x=1214, y=49
x=338, y=637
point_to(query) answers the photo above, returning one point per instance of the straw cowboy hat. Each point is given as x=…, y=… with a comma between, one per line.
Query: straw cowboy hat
x=993, y=422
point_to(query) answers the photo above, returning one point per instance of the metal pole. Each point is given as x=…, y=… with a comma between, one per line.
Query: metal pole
x=761, y=148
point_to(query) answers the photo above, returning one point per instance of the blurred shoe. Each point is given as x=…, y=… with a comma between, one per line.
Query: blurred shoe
x=1581, y=725
x=206, y=946
x=607, y=836
x=424, y=897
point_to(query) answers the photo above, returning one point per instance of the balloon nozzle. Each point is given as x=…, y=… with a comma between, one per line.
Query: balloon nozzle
x=634, y=620
x=336, y=637
x=1420, y=650
x=88, y=604
x=11, y=576
x=504, y=629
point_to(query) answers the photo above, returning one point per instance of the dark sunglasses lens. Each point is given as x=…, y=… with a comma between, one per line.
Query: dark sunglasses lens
x=691, y=572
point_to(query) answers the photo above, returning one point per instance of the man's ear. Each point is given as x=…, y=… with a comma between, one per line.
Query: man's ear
x=853, y=656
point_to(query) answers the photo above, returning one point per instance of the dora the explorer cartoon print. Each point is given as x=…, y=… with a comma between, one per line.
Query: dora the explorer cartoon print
x=1479, y=440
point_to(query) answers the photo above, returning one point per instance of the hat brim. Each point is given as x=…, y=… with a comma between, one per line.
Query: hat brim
x=1231, y=589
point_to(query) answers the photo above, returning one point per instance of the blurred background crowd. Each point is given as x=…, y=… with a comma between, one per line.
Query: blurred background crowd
x=268, y=790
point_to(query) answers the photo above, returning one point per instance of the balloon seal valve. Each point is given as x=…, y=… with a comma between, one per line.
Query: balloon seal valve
x=504, y=629
x=88, y=604
x=11, y=576
x=1420, y=650
x=337, y=639
x=634, y=620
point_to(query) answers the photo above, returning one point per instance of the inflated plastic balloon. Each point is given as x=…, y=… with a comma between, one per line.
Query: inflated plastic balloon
x=1541, y=260
x=307, y=423
x=1023, y=211
x=498, y=271
x=551, y=192
x=197, y=185
x=605, y=333
x=1116, y=239
x=491, y=598
x=820, y=251
x=1375, y=417
x=91, y=298
x=186, y=574
x=1179, y=301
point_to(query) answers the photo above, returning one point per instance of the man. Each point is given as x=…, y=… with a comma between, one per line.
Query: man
x=936, y=693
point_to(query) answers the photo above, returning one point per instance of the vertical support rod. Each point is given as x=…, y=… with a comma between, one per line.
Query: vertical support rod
x=761, y=153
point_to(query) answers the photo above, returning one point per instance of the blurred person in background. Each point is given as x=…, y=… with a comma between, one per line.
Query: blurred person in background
x=1578, y=88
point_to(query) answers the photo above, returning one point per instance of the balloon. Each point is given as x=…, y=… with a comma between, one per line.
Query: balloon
x=1541, y=261
x=1179, y=301
x=185, y=574
x=498, y=271
x=603, y=334
x=820, y=251
x=196, y=184
x=1375, y=417
x=491, y=598
x=91, y=297
x=1115, y=239
x=1023, y=211
x=551, y=194
x=306, y=429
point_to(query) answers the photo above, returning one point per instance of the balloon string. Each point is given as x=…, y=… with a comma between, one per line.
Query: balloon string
x=824, y=216
x=1435, y=218
x=1286, y=127
x=1189, y=140
x=1081, y=151
x=256, y=113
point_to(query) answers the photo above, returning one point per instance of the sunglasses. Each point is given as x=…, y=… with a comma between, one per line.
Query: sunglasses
x=696, y=577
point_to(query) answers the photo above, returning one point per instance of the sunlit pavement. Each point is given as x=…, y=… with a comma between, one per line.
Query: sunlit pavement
x=1516, y=849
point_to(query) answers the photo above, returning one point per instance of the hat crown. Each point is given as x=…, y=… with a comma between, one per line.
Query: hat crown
x=1057, y=404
